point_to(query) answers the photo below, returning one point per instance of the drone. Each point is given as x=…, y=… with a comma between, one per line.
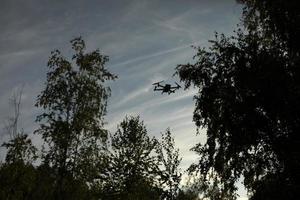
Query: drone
x=167, y=88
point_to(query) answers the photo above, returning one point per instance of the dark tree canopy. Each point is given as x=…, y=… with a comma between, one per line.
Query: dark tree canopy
x=134, y=165
x=79, y=159
x=277, y=17
x=19, y=148
x=74, y=103
x=248, y=101
x=17, y=174
x=170, y=175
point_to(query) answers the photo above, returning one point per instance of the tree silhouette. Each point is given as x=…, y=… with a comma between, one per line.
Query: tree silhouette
x=134, y=165
x=248, y=101
x=74, y=103
x=77, y=161
x=278, y=18
x=17, y=174
x=168, y=156
x=19, y=147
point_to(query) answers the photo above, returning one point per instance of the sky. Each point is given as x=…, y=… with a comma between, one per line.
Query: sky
x=144, y=39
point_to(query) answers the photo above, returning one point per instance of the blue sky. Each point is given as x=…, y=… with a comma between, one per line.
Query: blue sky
x=145, y=40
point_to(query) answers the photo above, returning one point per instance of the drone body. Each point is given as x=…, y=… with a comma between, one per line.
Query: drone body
x=167, y=88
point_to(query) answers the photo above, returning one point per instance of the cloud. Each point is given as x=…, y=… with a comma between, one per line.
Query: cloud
x=133, y=95
x=160, y=53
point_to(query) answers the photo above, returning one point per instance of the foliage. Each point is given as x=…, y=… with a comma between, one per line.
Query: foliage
x=133, y=163
x=17, y=180
x=168, y=156
x=17, y=174
x=209, y=187
x=74, y=103
x=76, y=161
x=278, y=18
x=187, y=195
x=20, y=149
x=248, y=101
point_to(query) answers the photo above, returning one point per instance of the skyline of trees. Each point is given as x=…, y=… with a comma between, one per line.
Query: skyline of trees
x=248, y=102
x=80, y=159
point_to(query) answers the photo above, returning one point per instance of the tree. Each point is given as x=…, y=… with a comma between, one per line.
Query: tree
x=74, y=102
x=134, y=165
x=187, y=195
x=19, y=147
x=17, y=174
x=248, y=100
x=17, y=181
x=278, y=18
x=170, y=175
x=204, y=187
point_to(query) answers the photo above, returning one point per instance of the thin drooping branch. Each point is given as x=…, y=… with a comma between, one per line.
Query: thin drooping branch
x=11, y=124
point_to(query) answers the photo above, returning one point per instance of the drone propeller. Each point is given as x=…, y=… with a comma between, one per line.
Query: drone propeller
x=157, y=83
x=178, y=85
x=171, y=91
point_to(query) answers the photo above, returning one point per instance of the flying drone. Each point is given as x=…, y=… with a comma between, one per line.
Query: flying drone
x=167, y=88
